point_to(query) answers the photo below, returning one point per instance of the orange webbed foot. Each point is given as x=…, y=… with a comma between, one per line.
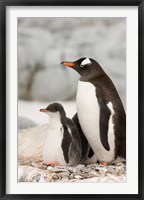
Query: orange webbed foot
x=53, y=163
x=103, y=164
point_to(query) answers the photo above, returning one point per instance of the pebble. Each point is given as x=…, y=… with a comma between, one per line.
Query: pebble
x=78, y=177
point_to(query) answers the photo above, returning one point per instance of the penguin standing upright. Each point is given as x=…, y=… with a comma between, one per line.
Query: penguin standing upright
x=62, y=145
x=100, y=111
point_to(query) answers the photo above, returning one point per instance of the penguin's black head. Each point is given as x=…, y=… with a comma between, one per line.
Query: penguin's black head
x=85, y=67
x=54, y=110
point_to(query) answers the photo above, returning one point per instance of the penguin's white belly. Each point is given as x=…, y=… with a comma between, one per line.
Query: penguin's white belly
x=52, y=149
x=89, y=115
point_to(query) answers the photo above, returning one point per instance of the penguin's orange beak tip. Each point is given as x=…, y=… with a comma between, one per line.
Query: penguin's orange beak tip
x=43, y=110
x=68, y=64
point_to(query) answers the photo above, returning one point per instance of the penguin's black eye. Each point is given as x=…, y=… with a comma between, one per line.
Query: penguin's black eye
x=85, y=65
x=53, y=109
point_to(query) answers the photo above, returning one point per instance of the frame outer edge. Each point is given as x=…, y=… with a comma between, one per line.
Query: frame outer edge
x=73, y=2
x=141, y=97
x=2, y=100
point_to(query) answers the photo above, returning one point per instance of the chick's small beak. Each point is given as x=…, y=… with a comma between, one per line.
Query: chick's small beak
x=43, y=110
x=69, y=64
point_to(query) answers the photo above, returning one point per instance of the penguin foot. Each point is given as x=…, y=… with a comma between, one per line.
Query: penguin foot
x=103, y=164
x=53, y=163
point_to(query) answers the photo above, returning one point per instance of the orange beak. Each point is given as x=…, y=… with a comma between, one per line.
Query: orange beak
x=69, y=64
x=43, y=110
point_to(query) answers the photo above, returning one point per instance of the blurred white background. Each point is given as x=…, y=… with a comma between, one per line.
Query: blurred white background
x=44, y=42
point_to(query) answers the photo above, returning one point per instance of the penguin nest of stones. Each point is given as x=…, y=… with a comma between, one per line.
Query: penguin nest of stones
x=35, y=171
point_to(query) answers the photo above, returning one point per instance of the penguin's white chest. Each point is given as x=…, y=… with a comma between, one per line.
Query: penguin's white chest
x=89, y=117
x=52, y=148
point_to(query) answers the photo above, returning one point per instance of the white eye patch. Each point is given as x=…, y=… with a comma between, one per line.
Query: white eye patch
x=85, y=62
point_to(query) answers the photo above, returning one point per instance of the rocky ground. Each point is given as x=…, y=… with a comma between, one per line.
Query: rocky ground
x=37, y=171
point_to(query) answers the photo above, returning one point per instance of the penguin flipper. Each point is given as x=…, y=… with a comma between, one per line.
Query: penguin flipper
x=66, y=142
x=104, y=121
x=104, y=118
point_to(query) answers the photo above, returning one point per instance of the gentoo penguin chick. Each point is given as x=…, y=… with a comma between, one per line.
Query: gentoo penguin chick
x=62, y=145
x=100, y=111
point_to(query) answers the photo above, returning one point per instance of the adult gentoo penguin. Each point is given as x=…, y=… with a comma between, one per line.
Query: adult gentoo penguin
x=100, y=111
x=62, y=145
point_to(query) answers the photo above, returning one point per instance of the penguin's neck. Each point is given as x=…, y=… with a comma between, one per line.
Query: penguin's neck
x=93, y=75
x=99, y=79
